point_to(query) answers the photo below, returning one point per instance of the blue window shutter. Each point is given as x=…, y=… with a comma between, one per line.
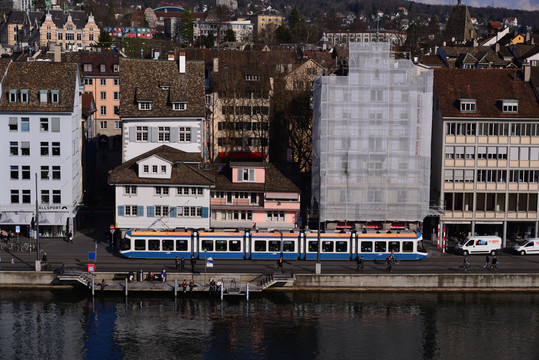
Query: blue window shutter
x=150, y=210
x=172, y=212
x=120, y=210
x=140, y=210
x=204, y=212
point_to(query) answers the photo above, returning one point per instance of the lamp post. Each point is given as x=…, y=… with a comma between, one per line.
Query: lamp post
x=318, y=266
x=38, y=262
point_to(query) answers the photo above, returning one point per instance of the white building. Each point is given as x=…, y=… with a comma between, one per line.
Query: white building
x=243, y=30
x=162, y=104
x=162, y=189
x=40, y=108
x=372, y=139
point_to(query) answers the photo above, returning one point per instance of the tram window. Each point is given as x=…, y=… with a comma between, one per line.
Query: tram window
x=140, y=245
x=342, y=246
x=167, y=245
x=126, y=244
x=181, y=245
x=207, y=245
x=394, y=246
x=380, y=246
x=327, y=246
x=274, y=245
x=220, y=245
x=288, y=246
x=407, y=246
x=260, y=245
x=234, y=245
x=313, y=246
x=366, y=246
x=153, y=244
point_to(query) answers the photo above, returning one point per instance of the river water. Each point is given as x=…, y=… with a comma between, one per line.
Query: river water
x=284, y=325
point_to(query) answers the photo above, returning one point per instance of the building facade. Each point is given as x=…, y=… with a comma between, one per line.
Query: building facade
x=73, y=30
x=40, y=105
x=371, y=139
x=345, y=37
x=487, y=121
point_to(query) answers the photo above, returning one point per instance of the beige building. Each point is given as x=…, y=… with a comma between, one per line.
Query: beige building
x=267, y=22
x=73, y=30
x=487, y=123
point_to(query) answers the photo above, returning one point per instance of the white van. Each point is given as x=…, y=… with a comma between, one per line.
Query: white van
x=530, y=246
x=480, y=245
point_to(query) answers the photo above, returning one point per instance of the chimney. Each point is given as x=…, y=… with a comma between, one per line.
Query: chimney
x=527, y=72
x=57, y=50
x=528, y=37
x=181, y=62
x=215, y=65
x=497, y=47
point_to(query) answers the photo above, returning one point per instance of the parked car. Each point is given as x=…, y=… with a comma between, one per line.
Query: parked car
x=530, y=246
x=479, y=245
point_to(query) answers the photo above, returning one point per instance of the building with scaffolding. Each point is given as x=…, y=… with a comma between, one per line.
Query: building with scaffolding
x=372, y=141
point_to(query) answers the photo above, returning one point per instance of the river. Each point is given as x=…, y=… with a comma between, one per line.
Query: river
x=279, y=325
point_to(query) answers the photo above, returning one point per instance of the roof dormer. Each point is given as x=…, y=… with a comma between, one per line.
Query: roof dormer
x=509, y=106
x=145, y=105
x=248, y=173
x=468, y=105
x=154, y=167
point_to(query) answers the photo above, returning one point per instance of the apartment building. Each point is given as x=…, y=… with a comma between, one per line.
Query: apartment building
x=40, y=104
x=73, y=30
x=487, y=124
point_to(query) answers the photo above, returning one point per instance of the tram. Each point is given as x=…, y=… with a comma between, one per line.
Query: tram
x=254, y=245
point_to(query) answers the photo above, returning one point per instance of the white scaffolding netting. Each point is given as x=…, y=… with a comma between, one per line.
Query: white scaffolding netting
x=372, y=138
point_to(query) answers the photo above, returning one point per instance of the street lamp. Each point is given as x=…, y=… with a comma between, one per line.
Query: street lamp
x=38, y=262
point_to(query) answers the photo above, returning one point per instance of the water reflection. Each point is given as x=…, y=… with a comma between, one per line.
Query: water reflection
x=296, y=325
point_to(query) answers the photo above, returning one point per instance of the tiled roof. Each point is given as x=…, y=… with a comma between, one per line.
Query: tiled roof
x=96, y=59
x=142, y=80
x=487, y=87
x=59, y=18
x=185, y=171
x=459, y=25
x=36, y=76
x=4, y=62
x=483, y=54
x=433, y=61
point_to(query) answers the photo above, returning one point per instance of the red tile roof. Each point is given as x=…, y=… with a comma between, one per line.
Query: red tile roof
x=487, y=87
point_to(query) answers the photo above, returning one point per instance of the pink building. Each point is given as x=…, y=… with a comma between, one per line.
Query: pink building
x=253, y=195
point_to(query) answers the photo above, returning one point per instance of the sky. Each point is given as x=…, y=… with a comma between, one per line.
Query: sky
x=510, y=4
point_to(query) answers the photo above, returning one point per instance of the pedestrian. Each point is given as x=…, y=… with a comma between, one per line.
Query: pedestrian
x=280, y=262
x=487, y=262
x=163, y=275
x=184, y=285
x=103, y=284
x=389, y=263
x=182, y=264
x=465, y=263
x=44, y=258
x=193, y=263
x=494, y=263
x=361, y=263
x=177, y=263
x=70, y=237
x=191, y=285
x=358, y=262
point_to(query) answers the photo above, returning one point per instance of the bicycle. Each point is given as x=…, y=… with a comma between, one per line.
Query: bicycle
x=26, y=247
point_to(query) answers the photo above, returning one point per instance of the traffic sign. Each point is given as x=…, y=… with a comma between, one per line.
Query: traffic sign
x=209, y=262
x=91, y=267
x=112, y=229
x=91, y=256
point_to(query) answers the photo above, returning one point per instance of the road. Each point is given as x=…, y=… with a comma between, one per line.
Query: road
x=92, y=237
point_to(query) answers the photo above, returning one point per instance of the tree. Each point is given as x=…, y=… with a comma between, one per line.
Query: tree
x=294, y=18
x=185, y=31
x=283, y=34
x=105, y=40
x=229, y=35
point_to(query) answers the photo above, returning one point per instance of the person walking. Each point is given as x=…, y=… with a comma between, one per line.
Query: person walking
x=182, y=264
x=389, y=263
x=361, y=263
x=494, y=263
x=358, y=261
x=487, y=262
x=465, y=264
x=177, y=263
x=163, y=275
x=193, y=263
x=280, y=263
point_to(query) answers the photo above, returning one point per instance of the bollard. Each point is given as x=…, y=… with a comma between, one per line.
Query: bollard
x=175, y=288
x=247, y=292
x=93, y=286
x=126, y=281
x=222, y=287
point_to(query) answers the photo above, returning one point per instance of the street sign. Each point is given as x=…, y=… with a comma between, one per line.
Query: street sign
x=17, y=229
x=91, y=256
x=209, y=262
x=112, y=227
x=112, y=230
x=91, y=267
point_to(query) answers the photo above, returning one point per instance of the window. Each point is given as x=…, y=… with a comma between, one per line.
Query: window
x=87, y=67
x=45, y=196
x=102, y=68
x=56, y=172
x=181, y=245
x=44, y=148
x=116, y=82
x=161, y=210
x=145, y=105
x=116, y=95
x=25, y=148
x=185, y=134
x=26, y=197
x=13, y=148
x=103, y=110
x=130, y=190
x=131, y=210
x=60, y=36
x=26, y=172
x=103, y=124
x=88, y=81
x=161, y=190
x=116, y=68
x=56, y=149
x=56, y=197
x=14, y=172
x=25, y=96
x=510, y=106
x=163, y=168
x=103, y=82
x=91, y=36
x=275, y=216
x=12, y=96
x=103, y=95
x=117, y=123
x=25, y=124
x=146, y=169
x=44, y=173
x=55, y=96
x=154, y=168
x=14, y=196
x=142, y=133
x=44, y=124
x=247, y=175
x=117, y=112
x=467, y=106
x=13, y=124
x=179, y=106
x=163, y=133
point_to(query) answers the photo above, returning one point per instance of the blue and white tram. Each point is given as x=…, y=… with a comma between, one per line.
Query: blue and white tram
x=220, y=245
x=264, y=245
x=156, y=245
x=333, y=246
x=405, y=246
